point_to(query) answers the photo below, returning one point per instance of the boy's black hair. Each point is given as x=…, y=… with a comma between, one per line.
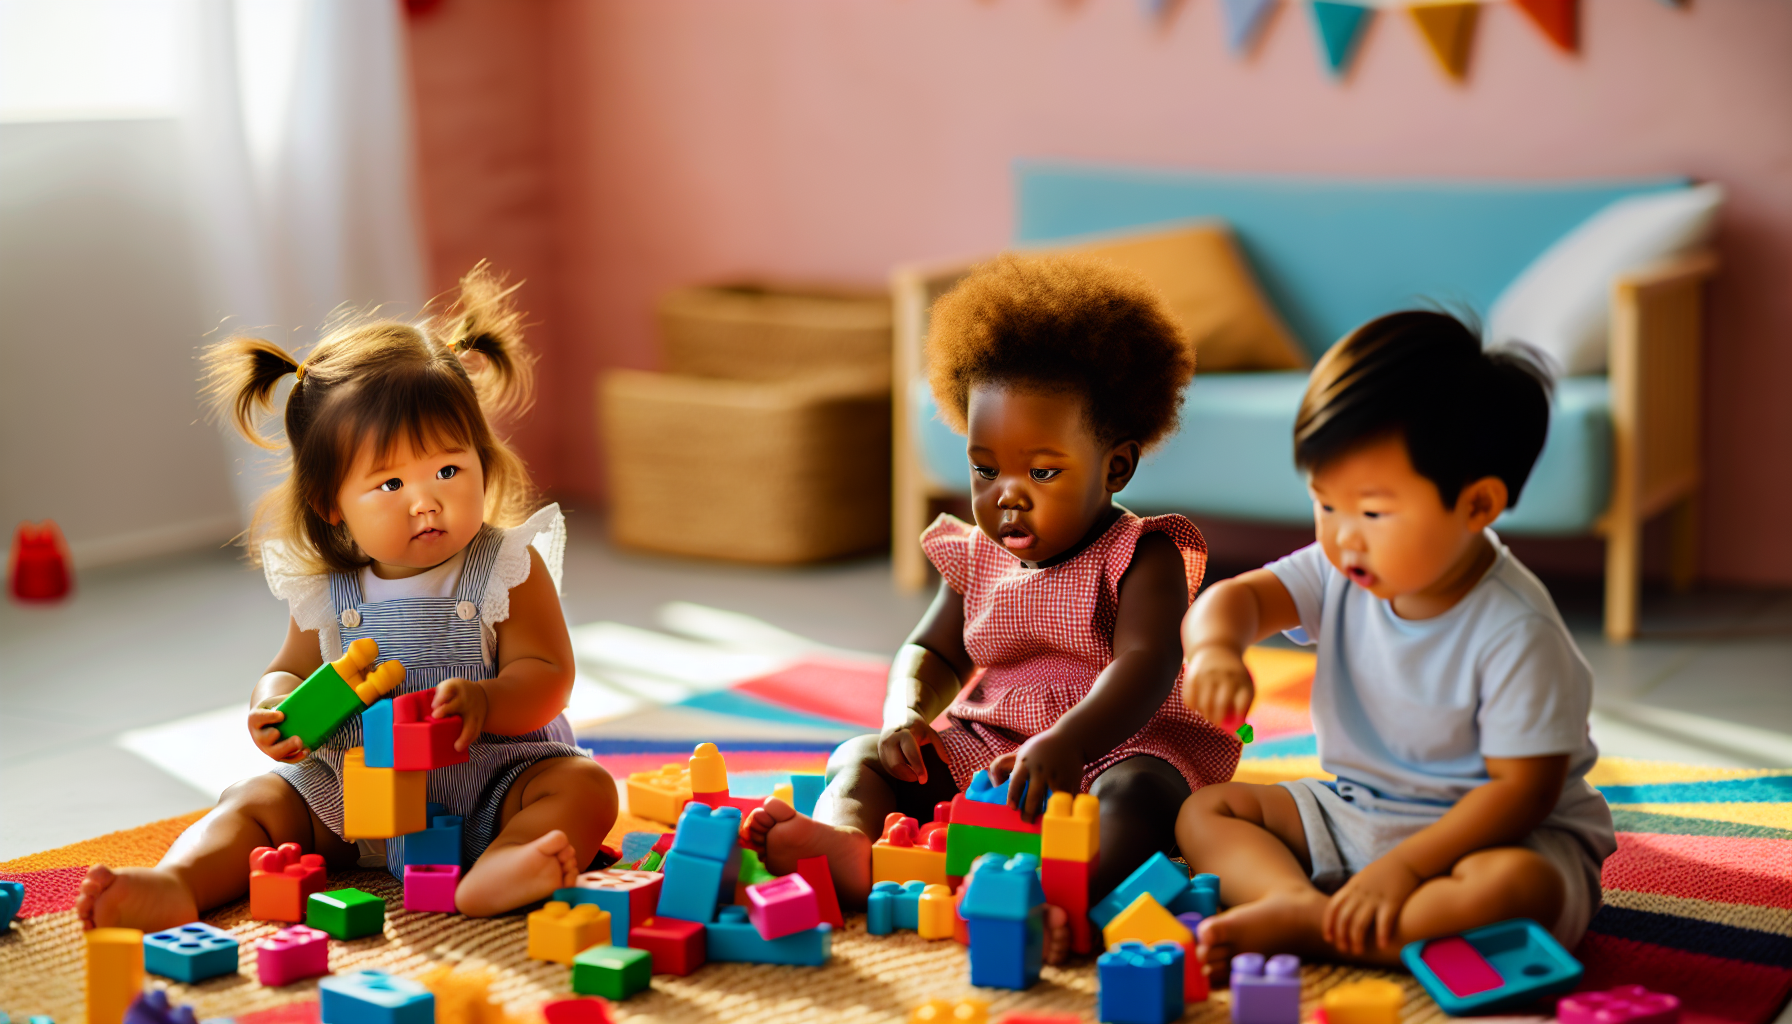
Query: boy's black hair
x=1465, y=412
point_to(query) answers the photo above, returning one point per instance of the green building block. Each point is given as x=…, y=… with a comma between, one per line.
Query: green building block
x=751, y=871
x=965, y=843
x=318, y=707
x=345, y=913
x=614, y=972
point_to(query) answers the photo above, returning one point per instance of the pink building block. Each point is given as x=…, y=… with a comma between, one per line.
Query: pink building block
x=1626, y=1004
x=782, y=906
x=430, y=887
x=292, y=954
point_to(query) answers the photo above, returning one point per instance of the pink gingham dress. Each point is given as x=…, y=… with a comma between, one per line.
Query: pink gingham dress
x=1041, y=636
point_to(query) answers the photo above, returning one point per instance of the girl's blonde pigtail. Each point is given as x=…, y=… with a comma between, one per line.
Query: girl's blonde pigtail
x=482, y=320
x=240, y=375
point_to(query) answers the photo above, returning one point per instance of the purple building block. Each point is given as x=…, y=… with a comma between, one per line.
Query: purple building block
x=152, y=1007
x=1626, y=1004
x=430, y=887
x=782, y=906
x=1265, y=993
x=292, y=954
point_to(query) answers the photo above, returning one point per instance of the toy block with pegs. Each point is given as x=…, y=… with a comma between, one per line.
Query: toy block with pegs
x=114, y=973
x=374, y=997
x=1201, y=897
x=336, y=692
x=934, y=912
x=437, y=844
x=292, y=954
x=1140, y=984
x=281, y=879
x=381, y=803
x=892, y=907
x=659, y=795
x=1626, y=1004
x=559, y=932
x=1005, y=909
x=986, y=805
x=901, y=854
x=951, y=1011
x=421, y=741
x=629, y=897
x=1265, y=991
x=709, y=781
x=1157, y=876
x=707, y=832
x=190, y=953
x=1071, y=828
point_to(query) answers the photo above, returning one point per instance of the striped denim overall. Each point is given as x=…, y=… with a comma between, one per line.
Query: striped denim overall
x=436, y=639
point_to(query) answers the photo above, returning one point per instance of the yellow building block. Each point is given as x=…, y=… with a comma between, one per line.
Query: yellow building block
x=114, y=973
x=1145, y=921
x=901, y=864
x=786, y=792
x=709, y=773
x=936, y=909
x=379, y=803
x=659, y=796
x=1372, y=1001
x=951, y=1011
x=1071, y=828
x=559, y=932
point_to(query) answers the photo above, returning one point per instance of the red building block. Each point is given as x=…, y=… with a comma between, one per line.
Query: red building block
x=580, y=1010
x=942, y=813
x=961, y=929
x=419, y=741
x=281, y=880
x=815, y=871
x=39, y=567
x=292, y=954
x=1066, y=884
x=966, y=811
x=678, y=947
x=1194, y=979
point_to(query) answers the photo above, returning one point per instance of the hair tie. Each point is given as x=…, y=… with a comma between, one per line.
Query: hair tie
x=298, y=372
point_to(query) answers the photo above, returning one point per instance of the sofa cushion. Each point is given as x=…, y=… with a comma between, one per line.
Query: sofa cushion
x=1233, y=457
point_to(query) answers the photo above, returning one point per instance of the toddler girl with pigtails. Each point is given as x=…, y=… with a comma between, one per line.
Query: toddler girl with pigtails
x=403, y=519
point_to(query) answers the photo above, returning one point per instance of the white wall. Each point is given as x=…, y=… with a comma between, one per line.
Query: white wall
x=100, y=323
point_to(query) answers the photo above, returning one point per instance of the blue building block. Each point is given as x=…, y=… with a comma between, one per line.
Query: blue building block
x=805, y=790
x=376, y=737
x=153, y=1007
x=732, y=938
x=1140, y=984
x=12, y=897
x=691, y=888
x=1006, y=888
x=1157, y=876
x=707, y=832
x=1529, y=961
x=982, y=791
x=1007, y=954
x=1265, y=992
x=373, y=997
x=892, y=907
x=1201, y=897
x=192, y=952
x=636, y=845
x=437, y=844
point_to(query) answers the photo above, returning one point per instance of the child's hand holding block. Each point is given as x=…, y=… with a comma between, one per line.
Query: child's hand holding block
x=421, y=741
x=336, y=692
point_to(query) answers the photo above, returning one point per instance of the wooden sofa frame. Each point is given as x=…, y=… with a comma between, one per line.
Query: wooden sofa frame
x=1657, y=336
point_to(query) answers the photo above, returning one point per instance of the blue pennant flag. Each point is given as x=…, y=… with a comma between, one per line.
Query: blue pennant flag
x=1340, y=27
x=1244, y=22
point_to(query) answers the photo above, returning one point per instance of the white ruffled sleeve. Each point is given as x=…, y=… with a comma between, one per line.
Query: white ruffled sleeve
x=546, y=532
x=307, y=595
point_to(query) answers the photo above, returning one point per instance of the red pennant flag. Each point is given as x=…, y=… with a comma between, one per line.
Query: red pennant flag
x=1559, y=20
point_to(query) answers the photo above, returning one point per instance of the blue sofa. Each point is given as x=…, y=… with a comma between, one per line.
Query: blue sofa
x=1329, y=255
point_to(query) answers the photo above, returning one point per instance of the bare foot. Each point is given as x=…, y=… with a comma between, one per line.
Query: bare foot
x=148, y=899
x=1057, y=934
x=507, y=877
x=786, y=837
x=1281, y=922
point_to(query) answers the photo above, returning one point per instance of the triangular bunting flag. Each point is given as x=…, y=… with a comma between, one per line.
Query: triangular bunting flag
x=1340, y=26
x=1244, y=22
x=1559, y=20
x=1450, y=30
x=1154, y=8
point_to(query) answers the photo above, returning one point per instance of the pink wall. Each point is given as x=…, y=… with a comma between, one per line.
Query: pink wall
x=698, y=138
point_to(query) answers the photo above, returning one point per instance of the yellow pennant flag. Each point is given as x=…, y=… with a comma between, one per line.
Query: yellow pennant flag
x=1449, y=29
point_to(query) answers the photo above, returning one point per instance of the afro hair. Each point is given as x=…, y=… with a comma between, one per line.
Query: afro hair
x=1070, y=324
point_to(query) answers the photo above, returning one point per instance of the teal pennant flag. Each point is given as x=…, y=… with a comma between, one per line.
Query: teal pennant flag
x=1340, y=27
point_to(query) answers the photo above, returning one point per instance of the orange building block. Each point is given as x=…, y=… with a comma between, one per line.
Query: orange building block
x=902, y=856
x=938, y=912
x=659, y=796
x=281, y=880
x=1071, y=828
x=1145, y=920
x=951, y=1011
x=380, y=803
x=559, y=931
x=114, y=973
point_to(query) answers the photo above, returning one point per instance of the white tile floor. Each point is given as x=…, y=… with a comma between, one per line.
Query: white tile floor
x=152, y=643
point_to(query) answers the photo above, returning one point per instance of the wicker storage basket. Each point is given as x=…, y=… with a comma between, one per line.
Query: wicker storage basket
x=757, y=471
x=757, y=332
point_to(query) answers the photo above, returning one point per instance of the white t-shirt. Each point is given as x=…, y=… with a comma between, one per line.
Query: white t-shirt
x=1411, y=708
x=437, y=582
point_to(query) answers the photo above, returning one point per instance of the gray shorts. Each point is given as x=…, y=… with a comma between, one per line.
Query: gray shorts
x=1350, y=826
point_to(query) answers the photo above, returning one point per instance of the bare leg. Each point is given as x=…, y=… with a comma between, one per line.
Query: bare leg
x=1134, y=794
x=554, y=818
x=1486, y=886
x=208, y=864
x=1251, y=836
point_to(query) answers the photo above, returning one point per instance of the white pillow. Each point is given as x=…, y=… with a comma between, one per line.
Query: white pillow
x=1562, y=301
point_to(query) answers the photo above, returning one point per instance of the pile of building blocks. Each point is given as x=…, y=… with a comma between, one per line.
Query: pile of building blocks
x=292, y=954
x=560, y=931
x=336, y=692
x=1265, y=991
x=1626, y=1004
x=281, y=880
x=910, y=851
x=345, y=914
x=1069, y=853
x=1370, y=1001
x=374, y=997
x=701, y=866
x=629, y=897
x=980, y=822
x=190, y=953
x=1140, y=984
x=12, y=897
x=1005, y=909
